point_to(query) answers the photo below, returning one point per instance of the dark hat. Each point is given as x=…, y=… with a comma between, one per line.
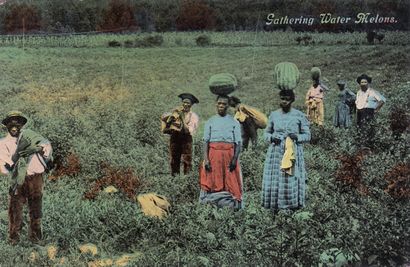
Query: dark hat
x=233, y=101
x=191, y=97
x=364, y=76
x=341, y=82
x=14, y=114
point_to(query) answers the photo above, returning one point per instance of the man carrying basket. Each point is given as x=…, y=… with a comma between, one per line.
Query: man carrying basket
x=181, y=124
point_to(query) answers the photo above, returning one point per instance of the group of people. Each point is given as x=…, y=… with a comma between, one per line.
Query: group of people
x=220, y=173
x=367, y=102
x=26, y=155
x=284, y=173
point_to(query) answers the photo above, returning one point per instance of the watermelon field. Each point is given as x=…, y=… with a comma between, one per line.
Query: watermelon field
x=100, y=106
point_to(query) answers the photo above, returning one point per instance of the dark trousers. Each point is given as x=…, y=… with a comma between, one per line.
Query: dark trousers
x=364, y=115
x=31, y=191
x=249, y=131
x=366, y=127
x=180, y=149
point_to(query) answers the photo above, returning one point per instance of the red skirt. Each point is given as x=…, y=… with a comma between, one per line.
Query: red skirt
x=220, y=178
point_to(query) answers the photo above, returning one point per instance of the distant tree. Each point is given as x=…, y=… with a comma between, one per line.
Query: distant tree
x=165, y=16
x=118, y=16
x=144, y=19
x=22, y=18
x=158, y=15
x=195, y=15
x=171, y=15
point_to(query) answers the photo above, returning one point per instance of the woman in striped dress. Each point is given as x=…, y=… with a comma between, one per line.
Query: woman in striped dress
x=285, y=188
x=344, y=107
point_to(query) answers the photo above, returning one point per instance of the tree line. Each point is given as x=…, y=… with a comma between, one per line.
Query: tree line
x=67, y=16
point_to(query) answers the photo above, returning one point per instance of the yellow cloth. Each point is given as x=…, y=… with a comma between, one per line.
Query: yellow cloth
x=244, y=111
x=127, y=259
x=101, y=263
x=154, y=205
x=88, y=248
x=110, y=189
x=240, y=116
x=315, y=111
x=52, y=252
x=288, y=160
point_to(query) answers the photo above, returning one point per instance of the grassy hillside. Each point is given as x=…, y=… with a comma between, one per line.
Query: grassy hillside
x=103, y=105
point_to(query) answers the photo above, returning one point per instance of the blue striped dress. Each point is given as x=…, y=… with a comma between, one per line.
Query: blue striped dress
x=343, y=117
x=281, y=190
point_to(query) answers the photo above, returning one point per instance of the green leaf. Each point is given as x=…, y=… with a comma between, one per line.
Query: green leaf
x=371, y=259
x=304, y=215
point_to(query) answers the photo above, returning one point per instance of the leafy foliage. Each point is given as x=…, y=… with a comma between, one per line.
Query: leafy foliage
x=118, y=16
x=399, y=181
x=70, y=166
x=124, y=180
x=114, y=43
x=350, y=172
x=203, y=40
x=399, y=121
x=104, y=104
x=223, y=15
x=195, y=15
x=22, y=18
x=150, y=41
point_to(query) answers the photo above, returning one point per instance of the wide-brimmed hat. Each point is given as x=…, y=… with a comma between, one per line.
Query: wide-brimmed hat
x=341, y=82
x=364, y=76
x=189, y=96
x=14, y=115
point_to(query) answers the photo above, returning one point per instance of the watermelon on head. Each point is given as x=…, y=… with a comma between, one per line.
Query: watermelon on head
x=223, y=83
x=287, y=75
x=315, y=73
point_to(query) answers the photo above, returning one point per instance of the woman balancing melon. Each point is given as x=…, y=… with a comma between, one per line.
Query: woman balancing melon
x=315, y=98
x=220, y=173
x=284, y=174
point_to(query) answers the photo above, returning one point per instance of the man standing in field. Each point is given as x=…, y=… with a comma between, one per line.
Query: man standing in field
x=180, y=144
x=220, y=173
x=368, y=103
x=24, y=155
x=368, y=100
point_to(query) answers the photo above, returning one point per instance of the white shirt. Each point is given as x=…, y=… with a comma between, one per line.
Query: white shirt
x=192, y=121
x=8, y=146
x=368, y=99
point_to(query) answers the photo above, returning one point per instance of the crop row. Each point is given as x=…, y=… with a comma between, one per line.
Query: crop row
x=172, y=39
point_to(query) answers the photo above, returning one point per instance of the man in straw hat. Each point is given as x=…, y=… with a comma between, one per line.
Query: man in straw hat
x=220, y=173
x=180, y=145
x=24, y=155
x=368, y=100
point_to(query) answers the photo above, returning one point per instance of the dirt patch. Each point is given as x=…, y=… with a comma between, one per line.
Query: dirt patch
x=69, y=166
x=123, y=179
x=399, y=181
x=350, y=172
